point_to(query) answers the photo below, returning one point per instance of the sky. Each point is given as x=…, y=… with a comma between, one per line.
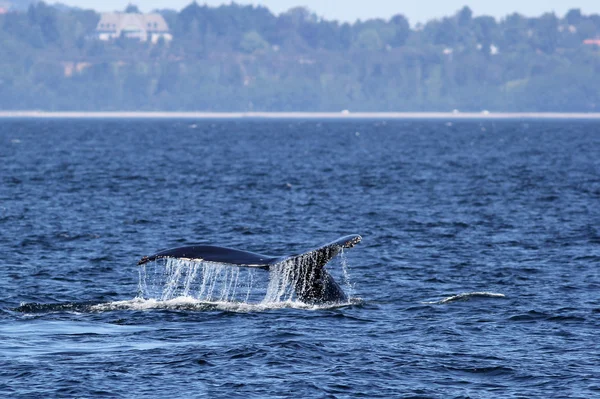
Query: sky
x=351, y=10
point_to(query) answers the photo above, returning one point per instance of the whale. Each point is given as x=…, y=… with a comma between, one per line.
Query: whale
x=312, y=282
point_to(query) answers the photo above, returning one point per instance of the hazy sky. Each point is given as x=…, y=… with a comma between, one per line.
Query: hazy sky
x=350, y=10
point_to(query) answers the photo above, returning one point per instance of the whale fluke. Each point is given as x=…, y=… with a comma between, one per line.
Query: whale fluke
x=312, y=282
x=211, y=253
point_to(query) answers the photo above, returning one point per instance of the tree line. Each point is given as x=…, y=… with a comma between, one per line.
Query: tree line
x=245, y=58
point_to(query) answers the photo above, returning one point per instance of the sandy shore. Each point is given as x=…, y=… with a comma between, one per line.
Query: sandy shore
x=297, y=115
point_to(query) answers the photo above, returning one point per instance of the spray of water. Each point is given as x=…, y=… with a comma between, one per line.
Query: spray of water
x=202, y=281
x=349, y=287
x=282, y=278
x=176, y=279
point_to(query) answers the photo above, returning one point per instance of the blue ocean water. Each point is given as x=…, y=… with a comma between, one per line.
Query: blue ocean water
x=478, y=274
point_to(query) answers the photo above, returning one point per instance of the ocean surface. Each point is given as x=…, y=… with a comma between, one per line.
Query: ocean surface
x=478, y=275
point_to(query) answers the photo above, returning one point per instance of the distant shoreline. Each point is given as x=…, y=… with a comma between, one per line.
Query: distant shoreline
x=297, y=115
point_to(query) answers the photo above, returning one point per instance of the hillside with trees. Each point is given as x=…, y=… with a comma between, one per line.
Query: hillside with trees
x=245, y=58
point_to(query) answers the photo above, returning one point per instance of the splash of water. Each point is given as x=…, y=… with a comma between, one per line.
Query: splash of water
x=349, y=287
x=208, y=282
x=193, y=285
x=204, y=281
x=282, y=278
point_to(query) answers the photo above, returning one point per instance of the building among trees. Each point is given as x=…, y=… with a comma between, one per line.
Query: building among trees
x=242, y=57
x=132, y=25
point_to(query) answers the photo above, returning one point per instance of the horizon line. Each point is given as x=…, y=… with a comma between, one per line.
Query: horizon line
x=295, y=115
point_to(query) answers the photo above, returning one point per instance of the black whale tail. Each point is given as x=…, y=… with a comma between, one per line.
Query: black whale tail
x=312, y=282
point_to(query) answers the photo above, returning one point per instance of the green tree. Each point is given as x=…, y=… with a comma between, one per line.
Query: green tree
x=132, y=9
x=545, y=33
x=464, y=17
x=46, y=18
x=368, y=39
x=253, y=41
x=574, y=16
x=402, y=30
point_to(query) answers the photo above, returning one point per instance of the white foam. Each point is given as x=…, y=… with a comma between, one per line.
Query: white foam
x=465, y=297
x=189, y=303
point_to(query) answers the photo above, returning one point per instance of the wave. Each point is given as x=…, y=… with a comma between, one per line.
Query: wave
x=190, y=303
x=465, y=297
x=179, y=303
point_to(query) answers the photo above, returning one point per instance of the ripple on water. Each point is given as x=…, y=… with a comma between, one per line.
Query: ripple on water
x=467, y=296
x=450, y=216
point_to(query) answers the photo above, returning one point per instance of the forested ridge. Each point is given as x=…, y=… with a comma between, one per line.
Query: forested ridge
x=245, y=58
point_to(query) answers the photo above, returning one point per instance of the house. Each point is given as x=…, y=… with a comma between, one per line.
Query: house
x=592, y=42
x=143, y=27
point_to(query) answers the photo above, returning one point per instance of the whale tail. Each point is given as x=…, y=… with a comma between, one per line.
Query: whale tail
x=312, y=282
